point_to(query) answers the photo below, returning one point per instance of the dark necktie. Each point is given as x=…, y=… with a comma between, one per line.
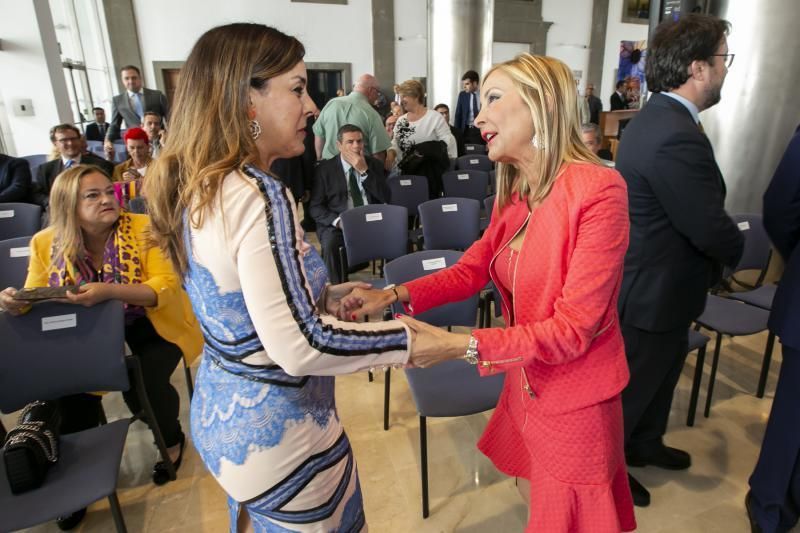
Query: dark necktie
x=474, y=108
x=102, y=128
x=355, y=191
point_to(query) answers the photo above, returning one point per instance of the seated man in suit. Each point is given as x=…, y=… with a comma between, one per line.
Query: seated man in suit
x=96, y=131
x=593, y=140
x=132, y=103
x=458, y=134
x=67, y=140
x=15, y=179
x=344, y=181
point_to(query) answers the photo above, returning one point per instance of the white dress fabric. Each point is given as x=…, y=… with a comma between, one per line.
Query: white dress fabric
x=263, y=416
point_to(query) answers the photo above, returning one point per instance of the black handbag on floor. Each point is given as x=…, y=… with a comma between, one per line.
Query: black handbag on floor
x=32, y=446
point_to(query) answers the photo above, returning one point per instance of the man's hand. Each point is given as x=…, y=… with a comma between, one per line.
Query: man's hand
x=108, y=146
x=356, y=160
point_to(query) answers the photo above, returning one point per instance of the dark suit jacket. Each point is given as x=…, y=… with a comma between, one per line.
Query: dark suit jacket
x=93, y=132
x=462, y=110
x=121, y=109
x=595, y=107
x=617, y=102
x=15, y=179
x=458, y=135
x=330, y=191
x=782, y=222
x=47, y=173
x=681, y=236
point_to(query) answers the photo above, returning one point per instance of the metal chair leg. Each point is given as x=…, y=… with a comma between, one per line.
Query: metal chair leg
x=698, y=379
x=762, y=379
x=189, y=381
x=423, y=447
x=713, y=376
x=116, y=513
x=386, y=389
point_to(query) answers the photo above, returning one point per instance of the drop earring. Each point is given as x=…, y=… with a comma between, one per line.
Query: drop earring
x=255, y=129
x=537, y=143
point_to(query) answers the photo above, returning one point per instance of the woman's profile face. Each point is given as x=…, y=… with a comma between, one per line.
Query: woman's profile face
x=97, y=205
x=504, y=120
x=282, y=109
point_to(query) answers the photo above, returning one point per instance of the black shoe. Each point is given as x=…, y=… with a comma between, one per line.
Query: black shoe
x=754, y=527
x=160, y=470
x=65, y=523
x=665, y=457
x=641, y=496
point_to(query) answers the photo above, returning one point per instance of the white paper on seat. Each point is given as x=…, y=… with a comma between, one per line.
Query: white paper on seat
x=8, y=213
x=433, y=264
x=23, y=251
x=473, y=161
x=463, y=176
x=449, y=208
x=59, y=322
x=743, y=226
x=372, y=217
x=405, y=183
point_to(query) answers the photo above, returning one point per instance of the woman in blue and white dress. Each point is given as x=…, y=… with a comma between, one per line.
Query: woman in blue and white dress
x=263, y=416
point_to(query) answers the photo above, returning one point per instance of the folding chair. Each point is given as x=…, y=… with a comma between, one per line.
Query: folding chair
x=472, y=149
x=62, y=349
x=373, y=232
x=19, y=220
x=14, y=258
x=697, y=341
x=474, y=162
x=466, y=184
x=450, y=223
x=34, y=161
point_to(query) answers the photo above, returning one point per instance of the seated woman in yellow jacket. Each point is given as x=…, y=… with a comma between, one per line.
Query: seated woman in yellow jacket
x=91, y=243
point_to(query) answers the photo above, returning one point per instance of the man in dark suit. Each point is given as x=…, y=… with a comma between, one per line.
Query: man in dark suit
x=681, y=236
x=131, y=104
x=15, y=179
x=458, y=134
x=595, y=105
x=618, y=99
x=96, y=131
x=342, y=182
x=68, y=141
x=773, y=502
x=467, y=108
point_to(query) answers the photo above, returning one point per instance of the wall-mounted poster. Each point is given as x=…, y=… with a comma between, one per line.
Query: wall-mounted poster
x=632, y=56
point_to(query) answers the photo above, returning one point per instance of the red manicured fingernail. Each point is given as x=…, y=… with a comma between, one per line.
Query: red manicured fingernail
x=352, y=317
x=397, y=315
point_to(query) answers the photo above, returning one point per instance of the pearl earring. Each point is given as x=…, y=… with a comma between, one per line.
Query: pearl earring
x=255, y=129
x=537, y=143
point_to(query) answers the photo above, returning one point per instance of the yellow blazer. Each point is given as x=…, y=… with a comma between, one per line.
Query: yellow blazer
x=172, y=316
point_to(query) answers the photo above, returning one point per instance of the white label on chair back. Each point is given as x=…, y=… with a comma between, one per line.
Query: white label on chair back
x=23, y=251
x=473, y=161
x=743, y=226
x=449, y=208
x=59, y=322
x=470, y=148
x=9, y=213
x=405, y=183
x=372, y=217
x=433, y=264
x=463, y=177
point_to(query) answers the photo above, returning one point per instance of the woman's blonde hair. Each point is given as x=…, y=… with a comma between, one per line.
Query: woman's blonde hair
x=209, y=127
x=67, y=235
x=547, y=86
x=414, y=89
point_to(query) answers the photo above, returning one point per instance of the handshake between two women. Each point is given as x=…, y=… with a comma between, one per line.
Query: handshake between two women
x=352, y=301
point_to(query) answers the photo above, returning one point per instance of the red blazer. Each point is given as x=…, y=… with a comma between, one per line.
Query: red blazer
x=562, y=329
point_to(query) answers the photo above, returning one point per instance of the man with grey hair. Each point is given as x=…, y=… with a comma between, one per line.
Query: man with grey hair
x=593, y=140
x=354, y=108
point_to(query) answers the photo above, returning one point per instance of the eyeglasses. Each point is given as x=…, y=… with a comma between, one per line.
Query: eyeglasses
x=67, y=140
x=728, y=61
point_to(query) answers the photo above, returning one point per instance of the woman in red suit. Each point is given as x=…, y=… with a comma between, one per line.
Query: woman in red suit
x=555, y=249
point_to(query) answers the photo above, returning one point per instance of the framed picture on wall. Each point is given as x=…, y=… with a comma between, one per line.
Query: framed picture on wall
x=636, y=11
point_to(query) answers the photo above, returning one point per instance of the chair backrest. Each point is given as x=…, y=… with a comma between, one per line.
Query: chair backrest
x=450, y=223
x=466, y=184
x=474, y=162
x=492, y=181
x=95, y=146
x=14, y=258
x=453, y=388
x=488, y=204
x=375, y=231
x=19, y=220
x=757, y=246
x=34, y=161
x=472, y=149
x=419, y=264
x=58, y=349
x=120, y=156
x=408, y=191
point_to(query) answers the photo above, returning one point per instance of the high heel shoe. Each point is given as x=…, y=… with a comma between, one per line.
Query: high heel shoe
x=160, y=470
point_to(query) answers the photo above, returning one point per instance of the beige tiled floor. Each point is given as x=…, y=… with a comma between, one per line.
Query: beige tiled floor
x=467, y=493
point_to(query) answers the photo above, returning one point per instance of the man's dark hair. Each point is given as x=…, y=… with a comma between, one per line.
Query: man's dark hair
x=620, y=84
x=153, y=113
x=693, y=37
x=131, y=67
x=439, y=106
x=98, y=109
x=61, y=128
x=471, y=75
x=348, y=128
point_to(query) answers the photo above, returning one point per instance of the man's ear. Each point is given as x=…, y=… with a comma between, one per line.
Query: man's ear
x=697, y=69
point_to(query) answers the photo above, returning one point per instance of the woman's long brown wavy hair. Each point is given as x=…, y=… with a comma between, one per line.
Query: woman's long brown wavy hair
x=209, y=136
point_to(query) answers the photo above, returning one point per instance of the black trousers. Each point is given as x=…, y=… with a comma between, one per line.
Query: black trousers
x=158, y=358
x=655, y=361
x=472, y=135
x=775, y=483
x=330, y=240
